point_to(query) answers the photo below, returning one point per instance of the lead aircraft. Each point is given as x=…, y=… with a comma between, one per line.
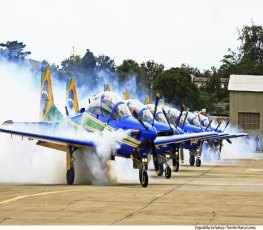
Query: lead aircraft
x=78, y=130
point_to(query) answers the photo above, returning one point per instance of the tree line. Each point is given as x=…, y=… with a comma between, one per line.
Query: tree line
x=174, y=84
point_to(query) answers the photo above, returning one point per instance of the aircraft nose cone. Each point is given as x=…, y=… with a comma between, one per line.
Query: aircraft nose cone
x=150, y=134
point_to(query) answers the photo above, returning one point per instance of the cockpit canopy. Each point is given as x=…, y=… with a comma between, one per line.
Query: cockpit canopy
x=159, y=116
x=204, y=119
x=109, y=105
x=193, y=119
x=173, y=115
x=142, y=111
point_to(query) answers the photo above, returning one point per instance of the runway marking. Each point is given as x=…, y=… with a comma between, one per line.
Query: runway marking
x=254, y=170
x=38, y=194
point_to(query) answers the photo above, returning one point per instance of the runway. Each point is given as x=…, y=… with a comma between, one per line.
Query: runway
x=226, y=193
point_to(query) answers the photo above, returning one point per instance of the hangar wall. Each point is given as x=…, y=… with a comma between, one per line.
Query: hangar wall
x=244, y=103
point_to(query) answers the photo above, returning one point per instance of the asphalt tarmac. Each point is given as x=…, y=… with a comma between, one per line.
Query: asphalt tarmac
x=229, y=192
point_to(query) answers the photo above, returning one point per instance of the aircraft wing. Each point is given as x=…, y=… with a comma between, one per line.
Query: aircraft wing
x=223, y=136
x=179, y=138
x=51, y=135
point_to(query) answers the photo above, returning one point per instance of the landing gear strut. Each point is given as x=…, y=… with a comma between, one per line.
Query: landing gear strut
x=70, y=175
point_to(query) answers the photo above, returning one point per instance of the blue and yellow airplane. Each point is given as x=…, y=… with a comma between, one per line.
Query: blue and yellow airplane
x=106, y=112
x=191, y=123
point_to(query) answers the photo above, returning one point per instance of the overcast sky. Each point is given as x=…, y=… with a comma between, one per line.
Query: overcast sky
x=171, y=32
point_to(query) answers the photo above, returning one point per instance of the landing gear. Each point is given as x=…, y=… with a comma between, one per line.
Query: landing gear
x=160, y=173
x=176, y=165
x=143, y=177
x=192, y=160
x=198, y=162
x=70, y=176
x=168, y=172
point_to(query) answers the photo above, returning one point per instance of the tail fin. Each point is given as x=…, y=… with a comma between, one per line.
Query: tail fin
x=107, y=87
x=71, y=98
x=162, y=103
x=148, y=100
x=48, y=110
x=126, y=95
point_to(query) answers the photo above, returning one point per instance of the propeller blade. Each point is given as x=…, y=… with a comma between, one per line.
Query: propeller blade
x=181, y=112
x=226, y=126
x=139, y=148
x=156, y=104
x=210, y=122
x=135, y=114
x=165, y=115
x=230, y=142
x=219, y=123
x=155, y=160
x=186, y=115
x=199, y=118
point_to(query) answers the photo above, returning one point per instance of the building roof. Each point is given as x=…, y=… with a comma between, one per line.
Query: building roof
x=249, y=83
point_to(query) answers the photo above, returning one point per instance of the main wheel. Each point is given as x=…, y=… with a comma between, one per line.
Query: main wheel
x=70, y=176
x=192, y=160
x=143, y=177
x=168, y=172
x=160, y=170
x=176, y=165
x=198, y=162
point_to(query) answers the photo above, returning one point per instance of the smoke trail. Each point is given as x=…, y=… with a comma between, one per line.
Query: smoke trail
x=25, y=162
x=22, y=161
x=94, y=166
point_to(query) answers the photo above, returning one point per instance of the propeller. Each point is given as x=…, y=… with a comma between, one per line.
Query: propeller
x=210, y=122
x=219, y=123
x=135, y=114
x=156, y=104
x=143, y=144
x=165, y=115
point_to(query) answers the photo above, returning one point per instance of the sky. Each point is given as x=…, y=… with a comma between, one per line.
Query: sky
x=170, y=32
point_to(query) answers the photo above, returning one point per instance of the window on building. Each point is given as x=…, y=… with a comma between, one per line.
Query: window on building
x=249, y=120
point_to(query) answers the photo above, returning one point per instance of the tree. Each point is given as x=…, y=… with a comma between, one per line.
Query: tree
x=104, y=62
x=150, y=70
x=248, y=59
x=127, y=68
x=14, y=51
x=176, y=86
x=88, y=62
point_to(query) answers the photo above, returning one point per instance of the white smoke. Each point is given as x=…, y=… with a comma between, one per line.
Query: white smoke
x=94, y=166
x=24, y=162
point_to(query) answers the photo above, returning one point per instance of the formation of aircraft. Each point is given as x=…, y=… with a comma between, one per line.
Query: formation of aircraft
x=144, y=136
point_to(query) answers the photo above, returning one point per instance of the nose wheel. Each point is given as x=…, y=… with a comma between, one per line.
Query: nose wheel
x=198, y=162
x=143, y=177
x=176, y=165
x=168, y=172
x=70, y=176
